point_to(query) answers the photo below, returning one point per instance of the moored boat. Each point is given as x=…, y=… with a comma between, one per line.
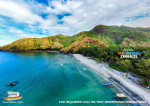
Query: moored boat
x=119, y=95
x=107, y=83
x=12, y=84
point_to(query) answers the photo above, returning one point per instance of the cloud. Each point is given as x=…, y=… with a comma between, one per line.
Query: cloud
x=143, y=22
x=110, y=12
x=30, y=35
x=14, y=30
x=4, y=42
x=29, y=18
x=18, y=11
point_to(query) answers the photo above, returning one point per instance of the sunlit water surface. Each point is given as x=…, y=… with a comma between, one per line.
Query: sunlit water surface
x=47, y=78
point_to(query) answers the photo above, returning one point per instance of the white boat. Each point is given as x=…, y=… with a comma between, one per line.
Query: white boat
x=84, y=68
x=119, y=95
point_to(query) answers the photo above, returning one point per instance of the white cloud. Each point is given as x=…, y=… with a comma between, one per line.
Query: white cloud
x=4, y=42
x=108, y=12
x=14, y=30
x=144, y=22
x=25, y=35
x=18, y=11
x=69, y=6
x=85, y=14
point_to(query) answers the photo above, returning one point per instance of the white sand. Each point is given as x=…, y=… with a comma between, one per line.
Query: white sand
x=106, y=73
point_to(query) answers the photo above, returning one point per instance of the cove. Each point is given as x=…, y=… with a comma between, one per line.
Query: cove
x=46, y=78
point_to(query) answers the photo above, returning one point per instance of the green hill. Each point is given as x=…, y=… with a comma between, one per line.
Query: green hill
x=106, y=35
x=82, y=42
x=47, y=43
x=117, y=35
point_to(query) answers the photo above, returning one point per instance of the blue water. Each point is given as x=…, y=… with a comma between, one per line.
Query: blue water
x=44, y=82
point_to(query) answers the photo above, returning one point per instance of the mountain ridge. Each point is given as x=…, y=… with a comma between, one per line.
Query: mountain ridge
x=102, y=34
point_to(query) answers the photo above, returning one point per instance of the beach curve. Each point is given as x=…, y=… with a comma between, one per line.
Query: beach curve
x=136, y=92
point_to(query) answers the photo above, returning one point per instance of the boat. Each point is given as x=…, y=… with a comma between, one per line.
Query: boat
x=107, y=83
x=61, y=64
x=12, y=83
x=12, y=96
x=84, y=68
x=119, y=95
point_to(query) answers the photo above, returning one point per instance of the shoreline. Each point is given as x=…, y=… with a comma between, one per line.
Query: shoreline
x=133, y=91
x=36, y=50
x=49, y=51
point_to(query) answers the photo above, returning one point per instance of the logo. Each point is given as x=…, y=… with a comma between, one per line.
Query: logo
x=129, y=53
x=12, y=95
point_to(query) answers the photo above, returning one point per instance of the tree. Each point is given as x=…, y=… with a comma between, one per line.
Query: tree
x=144, y=69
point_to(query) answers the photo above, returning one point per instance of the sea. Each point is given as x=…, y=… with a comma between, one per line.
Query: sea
x=52, y=79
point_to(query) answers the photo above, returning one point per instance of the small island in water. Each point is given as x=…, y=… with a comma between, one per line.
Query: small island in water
x=95, y=65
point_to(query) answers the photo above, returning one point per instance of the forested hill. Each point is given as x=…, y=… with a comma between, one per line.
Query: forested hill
x=99, y=36
x=120, y=35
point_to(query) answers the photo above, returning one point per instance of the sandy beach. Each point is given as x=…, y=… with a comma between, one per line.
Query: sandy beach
x=134, y=91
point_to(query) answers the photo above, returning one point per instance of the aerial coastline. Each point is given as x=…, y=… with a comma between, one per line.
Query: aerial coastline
x=135, y=92
x=75, y=52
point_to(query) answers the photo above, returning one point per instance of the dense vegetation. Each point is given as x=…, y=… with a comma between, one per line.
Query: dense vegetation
x=139, y=66
x=107, y=35
x=120, y=35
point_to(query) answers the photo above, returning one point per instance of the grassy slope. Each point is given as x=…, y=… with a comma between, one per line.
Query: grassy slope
x=82, y=42
x=109, y=35
x=52, y=42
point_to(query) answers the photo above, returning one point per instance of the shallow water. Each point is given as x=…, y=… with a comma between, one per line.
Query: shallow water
x=47, y=78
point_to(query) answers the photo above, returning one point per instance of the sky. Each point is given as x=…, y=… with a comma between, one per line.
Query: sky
x=41, y=18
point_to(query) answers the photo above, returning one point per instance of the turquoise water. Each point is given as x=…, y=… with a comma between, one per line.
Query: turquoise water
x=44, y=82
